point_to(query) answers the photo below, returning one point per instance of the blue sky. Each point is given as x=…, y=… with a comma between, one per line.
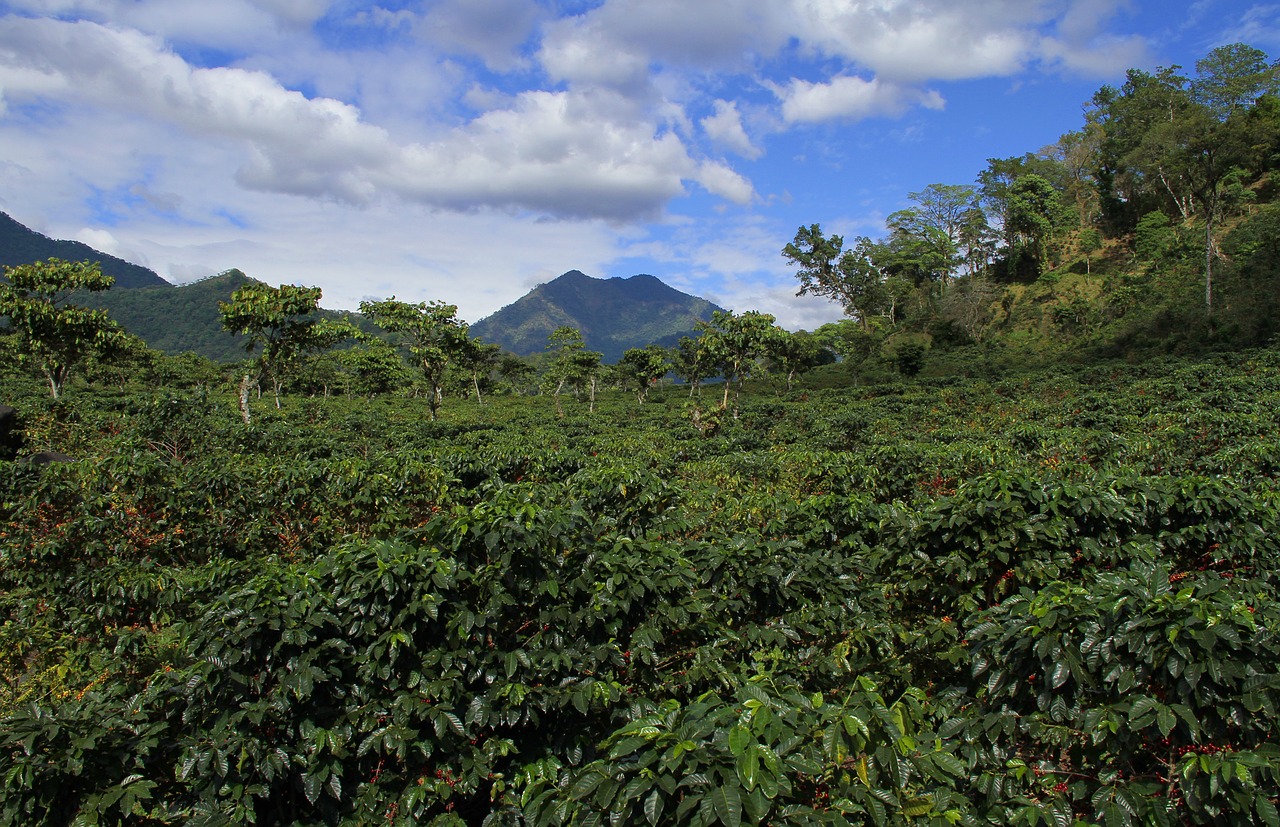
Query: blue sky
x=466, y=150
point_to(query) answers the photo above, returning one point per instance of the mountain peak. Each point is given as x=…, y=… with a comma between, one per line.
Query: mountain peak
x=20, y=244
x=613, y=314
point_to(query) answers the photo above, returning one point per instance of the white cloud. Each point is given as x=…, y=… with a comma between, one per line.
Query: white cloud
x=909, y=41
x=725, y=129
x=101, y=240
x=850, y=97
x=562, y=153
x=237, y=25
x=719, y=180
x=1104, y=56
x=492, y=29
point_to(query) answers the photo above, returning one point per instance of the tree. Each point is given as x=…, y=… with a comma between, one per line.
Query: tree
x=736, y=342
x=515, y=372
x=1138, y=122
x=281, y=322
x=691, y=362
x=852, y=278
x=1090, y=242
x=1036, y=215
x=641, y=367
x=478, y=359
x=571, y=364
x=937, y=224
x=793, y=354
x=430, y=331
x=1231, y=78
x=52, y=334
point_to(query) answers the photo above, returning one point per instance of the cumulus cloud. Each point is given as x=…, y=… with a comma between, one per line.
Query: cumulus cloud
x=720, y=180
x=851, y=98
x=908, y=41
x=552, y=152
x=494, y=30
x=236, y=25
x=724, y=128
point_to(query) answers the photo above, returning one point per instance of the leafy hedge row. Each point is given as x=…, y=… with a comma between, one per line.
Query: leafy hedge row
x=1049, y=601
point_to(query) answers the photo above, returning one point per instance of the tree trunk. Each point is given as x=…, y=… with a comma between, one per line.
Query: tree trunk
x=246, y=385
x=1208, y=260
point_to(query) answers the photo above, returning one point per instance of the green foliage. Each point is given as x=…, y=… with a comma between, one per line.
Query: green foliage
x=51, y=334
x=852, y=278
x=571, y=364
x=642, y=367
x=431, y=332
x=736, y=343
x=1050, y=598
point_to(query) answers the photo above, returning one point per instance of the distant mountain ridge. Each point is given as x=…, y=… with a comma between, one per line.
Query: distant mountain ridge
x=20, y=244
x=178, y=319
x=613, y=314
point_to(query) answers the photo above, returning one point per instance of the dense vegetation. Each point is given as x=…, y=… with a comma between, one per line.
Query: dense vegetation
x=20, y=245
x=1044, y=600
x=396, y=586
x=1150, y=229
x=613, y=315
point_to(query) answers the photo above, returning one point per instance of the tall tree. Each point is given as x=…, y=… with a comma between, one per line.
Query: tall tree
x=736, y=343
x=936, y=225
x=641, y=367
x=851, y=278
x=1036, y=215
x=281, y=322
x=53, y=334
x=431, y=332
x=1139, y=121
x=1231, y=78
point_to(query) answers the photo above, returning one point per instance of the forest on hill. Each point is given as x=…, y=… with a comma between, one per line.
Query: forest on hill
x=1003, y=547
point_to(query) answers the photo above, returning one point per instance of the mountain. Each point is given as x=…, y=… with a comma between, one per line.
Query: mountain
x=612, y=314
x=22, y=245
x=177, y=319
x=186, y=318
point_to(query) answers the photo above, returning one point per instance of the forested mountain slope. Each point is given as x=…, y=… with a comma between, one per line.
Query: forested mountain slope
x=612, y=314
x=22, y=245
x=1150, y=229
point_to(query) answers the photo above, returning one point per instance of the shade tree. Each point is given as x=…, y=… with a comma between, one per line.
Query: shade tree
x=282, y=326
x=794, y=354
x=691, y=362
x=572, y=365
x=641, y=367
x=51, y=333
x=736, y=343
x=431, y=333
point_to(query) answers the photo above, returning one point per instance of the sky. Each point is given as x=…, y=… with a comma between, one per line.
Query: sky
x=467, y=150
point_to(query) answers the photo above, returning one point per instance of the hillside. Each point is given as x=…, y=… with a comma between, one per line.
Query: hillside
x=22, y=245
x=612, y=314
x=186, y=318
x=178, y=319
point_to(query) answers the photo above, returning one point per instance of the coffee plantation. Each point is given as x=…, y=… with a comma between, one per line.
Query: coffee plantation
x=1044, y=600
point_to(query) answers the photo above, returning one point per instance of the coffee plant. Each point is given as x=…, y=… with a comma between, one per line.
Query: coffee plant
x=1047, y=600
